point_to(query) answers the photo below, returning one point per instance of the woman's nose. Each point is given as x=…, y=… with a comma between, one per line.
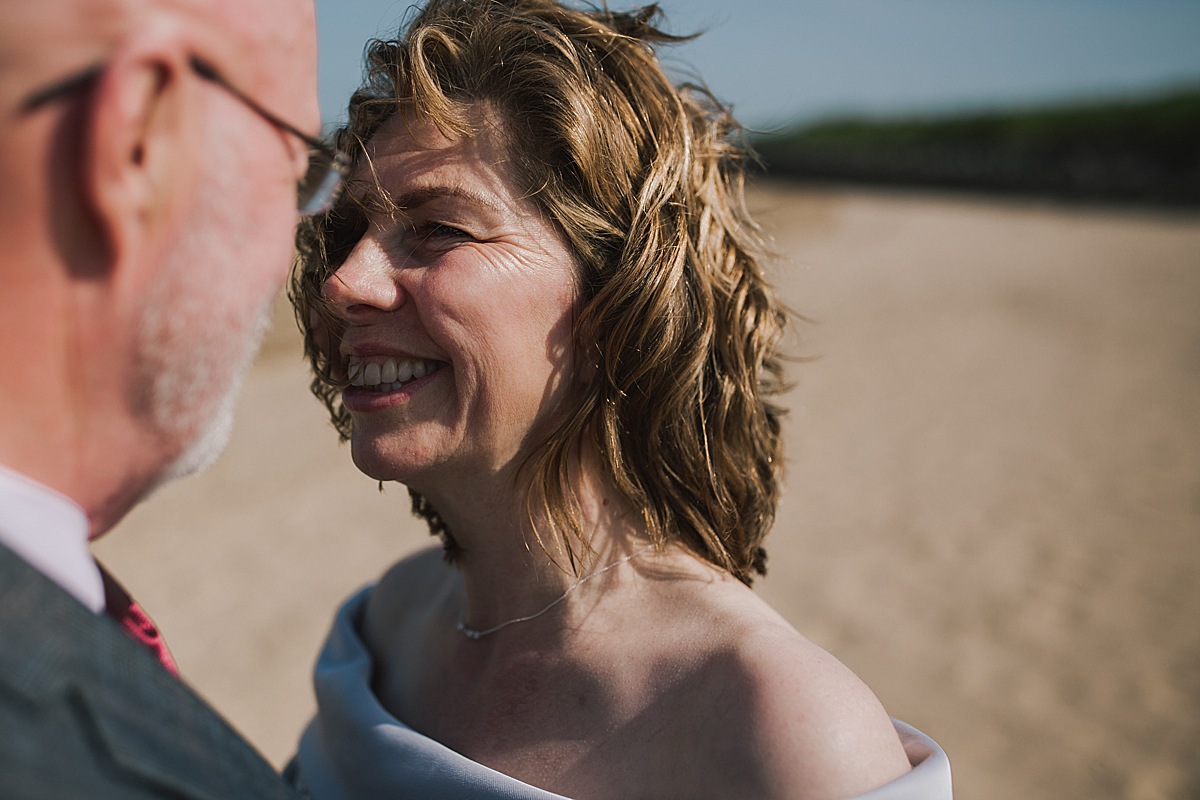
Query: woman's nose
x=367, y=282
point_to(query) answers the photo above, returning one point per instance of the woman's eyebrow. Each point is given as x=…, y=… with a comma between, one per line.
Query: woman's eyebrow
x=415, y=198
x=377, y=201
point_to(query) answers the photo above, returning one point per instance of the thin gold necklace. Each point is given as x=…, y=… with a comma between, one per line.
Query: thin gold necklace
x=472, y=633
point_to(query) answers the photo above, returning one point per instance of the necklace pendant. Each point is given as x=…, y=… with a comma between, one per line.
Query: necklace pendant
x=474, y=633
x=470, y=633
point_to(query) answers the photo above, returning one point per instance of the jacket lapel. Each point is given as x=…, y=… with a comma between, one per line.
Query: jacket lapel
x=148, y=722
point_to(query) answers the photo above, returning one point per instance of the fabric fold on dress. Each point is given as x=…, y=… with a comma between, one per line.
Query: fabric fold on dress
x=355, y=749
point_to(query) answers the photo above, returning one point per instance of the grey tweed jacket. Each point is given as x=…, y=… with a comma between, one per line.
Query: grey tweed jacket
x=87, y=713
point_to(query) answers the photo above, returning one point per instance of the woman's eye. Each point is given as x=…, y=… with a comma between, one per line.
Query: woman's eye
x=440, y=229
x=341, y=233
x=429, y=239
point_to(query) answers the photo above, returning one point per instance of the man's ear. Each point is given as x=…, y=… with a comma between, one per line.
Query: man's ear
x=137, y=157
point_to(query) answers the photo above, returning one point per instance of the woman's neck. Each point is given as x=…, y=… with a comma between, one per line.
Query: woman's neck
x=508, y=573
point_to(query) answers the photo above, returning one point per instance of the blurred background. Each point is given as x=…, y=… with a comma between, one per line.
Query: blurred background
x=989, y=213
x=781, y=62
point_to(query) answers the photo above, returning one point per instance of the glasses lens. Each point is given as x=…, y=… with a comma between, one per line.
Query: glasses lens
x=319, y=188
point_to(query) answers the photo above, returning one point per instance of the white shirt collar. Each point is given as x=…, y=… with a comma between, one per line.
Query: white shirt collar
x=50, y=532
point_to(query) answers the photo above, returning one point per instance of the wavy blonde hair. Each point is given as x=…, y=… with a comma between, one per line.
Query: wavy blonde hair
x=645, y=182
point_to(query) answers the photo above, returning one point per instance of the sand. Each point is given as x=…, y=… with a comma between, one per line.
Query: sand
x=992, y=510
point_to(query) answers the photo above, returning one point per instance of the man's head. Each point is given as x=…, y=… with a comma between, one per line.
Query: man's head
x=150, y=166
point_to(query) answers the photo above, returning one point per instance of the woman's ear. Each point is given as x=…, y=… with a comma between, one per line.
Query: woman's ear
x=138, y=154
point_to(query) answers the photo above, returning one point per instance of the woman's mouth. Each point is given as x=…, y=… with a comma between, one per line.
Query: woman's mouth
x=387, y=374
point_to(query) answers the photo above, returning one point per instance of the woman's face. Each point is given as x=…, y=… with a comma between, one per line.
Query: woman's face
x=457, y=313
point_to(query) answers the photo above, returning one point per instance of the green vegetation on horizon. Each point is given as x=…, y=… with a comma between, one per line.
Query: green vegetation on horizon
x=1146, y=149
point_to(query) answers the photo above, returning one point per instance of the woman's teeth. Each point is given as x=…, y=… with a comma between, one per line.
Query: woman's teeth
x=387, y=375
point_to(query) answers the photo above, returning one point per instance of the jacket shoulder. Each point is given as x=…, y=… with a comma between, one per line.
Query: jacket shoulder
x=86, y=712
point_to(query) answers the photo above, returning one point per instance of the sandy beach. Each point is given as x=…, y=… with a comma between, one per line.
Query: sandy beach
x=992, y=508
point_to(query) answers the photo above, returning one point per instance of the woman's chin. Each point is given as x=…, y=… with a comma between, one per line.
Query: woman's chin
x=387, y=460
x=379, y=464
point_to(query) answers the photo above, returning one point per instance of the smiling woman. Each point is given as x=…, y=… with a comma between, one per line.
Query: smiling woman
x=541, y=306
x=468, y=289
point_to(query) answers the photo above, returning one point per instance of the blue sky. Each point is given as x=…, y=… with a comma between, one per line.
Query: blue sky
x=781, y=61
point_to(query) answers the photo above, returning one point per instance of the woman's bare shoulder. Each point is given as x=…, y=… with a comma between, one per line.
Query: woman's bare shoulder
x=820, y=727
x=416, y=569
x=794, y=719
x=410, y=587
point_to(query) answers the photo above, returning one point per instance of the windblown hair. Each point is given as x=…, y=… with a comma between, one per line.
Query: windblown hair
x=645, y=182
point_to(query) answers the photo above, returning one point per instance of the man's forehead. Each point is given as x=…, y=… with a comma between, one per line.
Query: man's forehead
x=257, y=35
x=266, y=48
x=41, y=33
x=236, y=31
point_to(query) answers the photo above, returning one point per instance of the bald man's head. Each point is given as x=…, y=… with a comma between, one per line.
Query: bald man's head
x=268, y=45
x=149, y=154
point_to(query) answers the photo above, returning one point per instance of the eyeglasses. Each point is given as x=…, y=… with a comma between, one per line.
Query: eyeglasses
x=327, y=167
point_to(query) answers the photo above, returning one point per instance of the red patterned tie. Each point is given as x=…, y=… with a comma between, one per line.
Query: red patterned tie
x=134, y=621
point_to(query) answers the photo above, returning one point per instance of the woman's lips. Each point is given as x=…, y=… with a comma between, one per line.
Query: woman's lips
x=368, y=391
x=387, y=373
